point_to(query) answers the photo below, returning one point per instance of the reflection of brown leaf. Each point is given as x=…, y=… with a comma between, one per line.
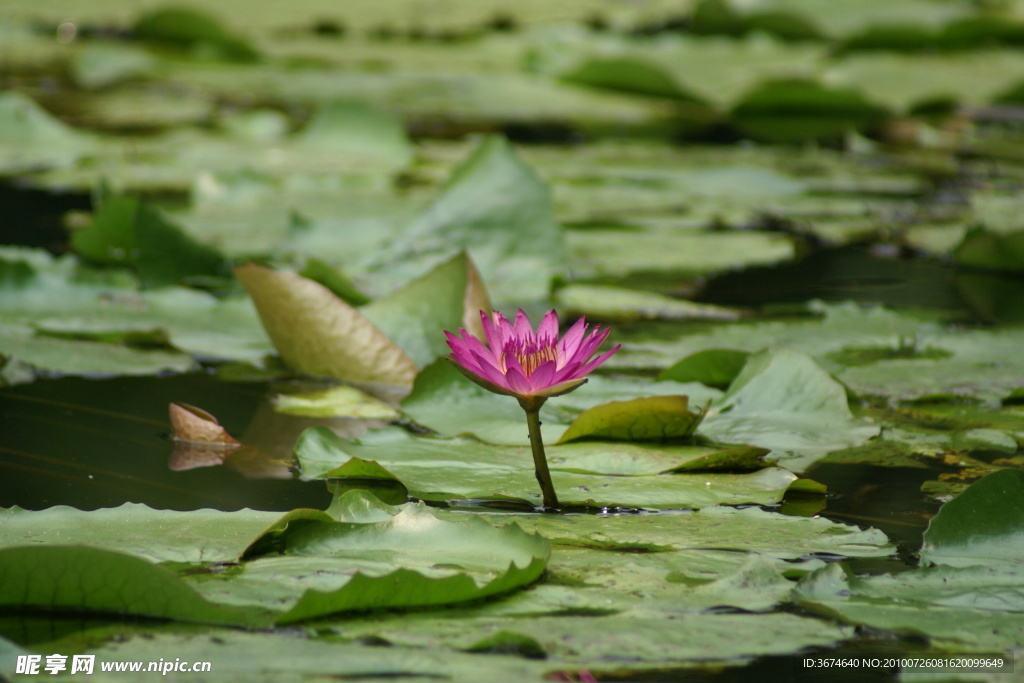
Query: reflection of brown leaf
x=198, y=428
x=258, y=464
x=186, y=456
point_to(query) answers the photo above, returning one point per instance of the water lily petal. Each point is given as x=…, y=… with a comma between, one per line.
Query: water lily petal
x=492, y=330
x=548, y=328
x=518, y=383
x=590, y=345
x=542, y=376
x=585, y=370
x=523, y=330
x=520, y=362
x=571, y=341
x=461, y=352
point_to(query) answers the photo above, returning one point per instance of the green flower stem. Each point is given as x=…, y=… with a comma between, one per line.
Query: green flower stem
x=540, y=462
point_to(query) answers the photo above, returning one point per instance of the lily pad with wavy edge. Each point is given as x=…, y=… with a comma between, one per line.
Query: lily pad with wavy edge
x=376, y=556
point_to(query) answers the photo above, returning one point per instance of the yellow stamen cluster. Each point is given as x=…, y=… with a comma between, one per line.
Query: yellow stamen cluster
x=530, y=355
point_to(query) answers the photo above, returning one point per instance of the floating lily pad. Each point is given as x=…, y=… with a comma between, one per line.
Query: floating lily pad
x=337, y=402
x=495, y=207
x=714, y=367
x=449, y=297
x=376, y=556
x=102, y=65
x=127, y=230
x=155, y=535
x=982, y=248
x=460, y=469
x=792, y=110
x=608, y=302
x=784, y=401
x=31, y=139
x=970, y=607
x=193, y=30
x=981, y=526
x=81, y=578
x=631, y=75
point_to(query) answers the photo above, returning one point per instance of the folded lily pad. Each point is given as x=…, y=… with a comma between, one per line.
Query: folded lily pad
x=318, y=333
x=652, y=418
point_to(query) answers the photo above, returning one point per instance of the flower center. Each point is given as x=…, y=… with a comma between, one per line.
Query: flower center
x=530, y=355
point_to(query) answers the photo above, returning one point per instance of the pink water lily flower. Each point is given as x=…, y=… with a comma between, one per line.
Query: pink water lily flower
x=528, y=365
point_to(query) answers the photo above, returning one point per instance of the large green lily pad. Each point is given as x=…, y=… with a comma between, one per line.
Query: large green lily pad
x=375, y=556
x=456, y=469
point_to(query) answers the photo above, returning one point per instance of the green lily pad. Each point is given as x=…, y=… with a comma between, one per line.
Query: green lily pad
x=971, y=607
x=355, y=131
x=48, y=301
x=155, y=535
x=353, y=562
x=714, y=367
x=783, y=400
x=415, y=317
x=619, y=253
x=634, y=459
x=193, y=30
x=101, y=65
x=60, y=577
x=45, y=353
x=495, y=207
x=984, y=525
x=461, y=469
x=376, y=556
x=608, y=302
x=982, y=248
x=337, y=402
x=631, y=75
x=127, y=230
x=711, y=528
x=266, y=656
x=31, y=139
x=792, y=110
x=652, y=418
